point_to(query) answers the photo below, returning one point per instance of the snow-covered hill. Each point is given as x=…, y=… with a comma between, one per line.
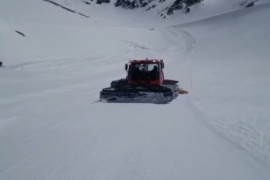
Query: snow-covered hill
x=56, y=62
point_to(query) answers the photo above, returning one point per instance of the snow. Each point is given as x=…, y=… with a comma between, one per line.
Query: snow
x=52, y=127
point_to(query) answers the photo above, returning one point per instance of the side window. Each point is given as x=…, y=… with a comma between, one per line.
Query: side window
x=153, y=67
x=154, y=72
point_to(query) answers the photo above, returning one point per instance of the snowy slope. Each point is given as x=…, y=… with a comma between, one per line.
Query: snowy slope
x=238, y=103
x=51, y=126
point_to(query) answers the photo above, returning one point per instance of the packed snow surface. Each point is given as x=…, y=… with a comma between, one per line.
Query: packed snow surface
x=56, y=62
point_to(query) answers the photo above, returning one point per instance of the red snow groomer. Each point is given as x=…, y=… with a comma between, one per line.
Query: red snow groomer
x=144, y=83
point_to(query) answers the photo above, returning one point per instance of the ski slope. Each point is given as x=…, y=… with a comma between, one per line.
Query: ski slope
x=52, y=127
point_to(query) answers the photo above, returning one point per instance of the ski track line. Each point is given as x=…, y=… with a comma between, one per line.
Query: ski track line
x=189, y=42
x=63, y=88
x=262, y=142
x=172, y=38
x=208, y=121
x=31, y=157
x=63, y=62
x=46, y=92
x=27, y=158
x=90, y=84
x=79, y=147
x=187, y=37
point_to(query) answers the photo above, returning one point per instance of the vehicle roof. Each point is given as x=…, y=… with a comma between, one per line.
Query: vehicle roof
x=146, y=61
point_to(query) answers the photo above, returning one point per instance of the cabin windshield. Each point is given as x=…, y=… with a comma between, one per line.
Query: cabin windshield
x=144, y=71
